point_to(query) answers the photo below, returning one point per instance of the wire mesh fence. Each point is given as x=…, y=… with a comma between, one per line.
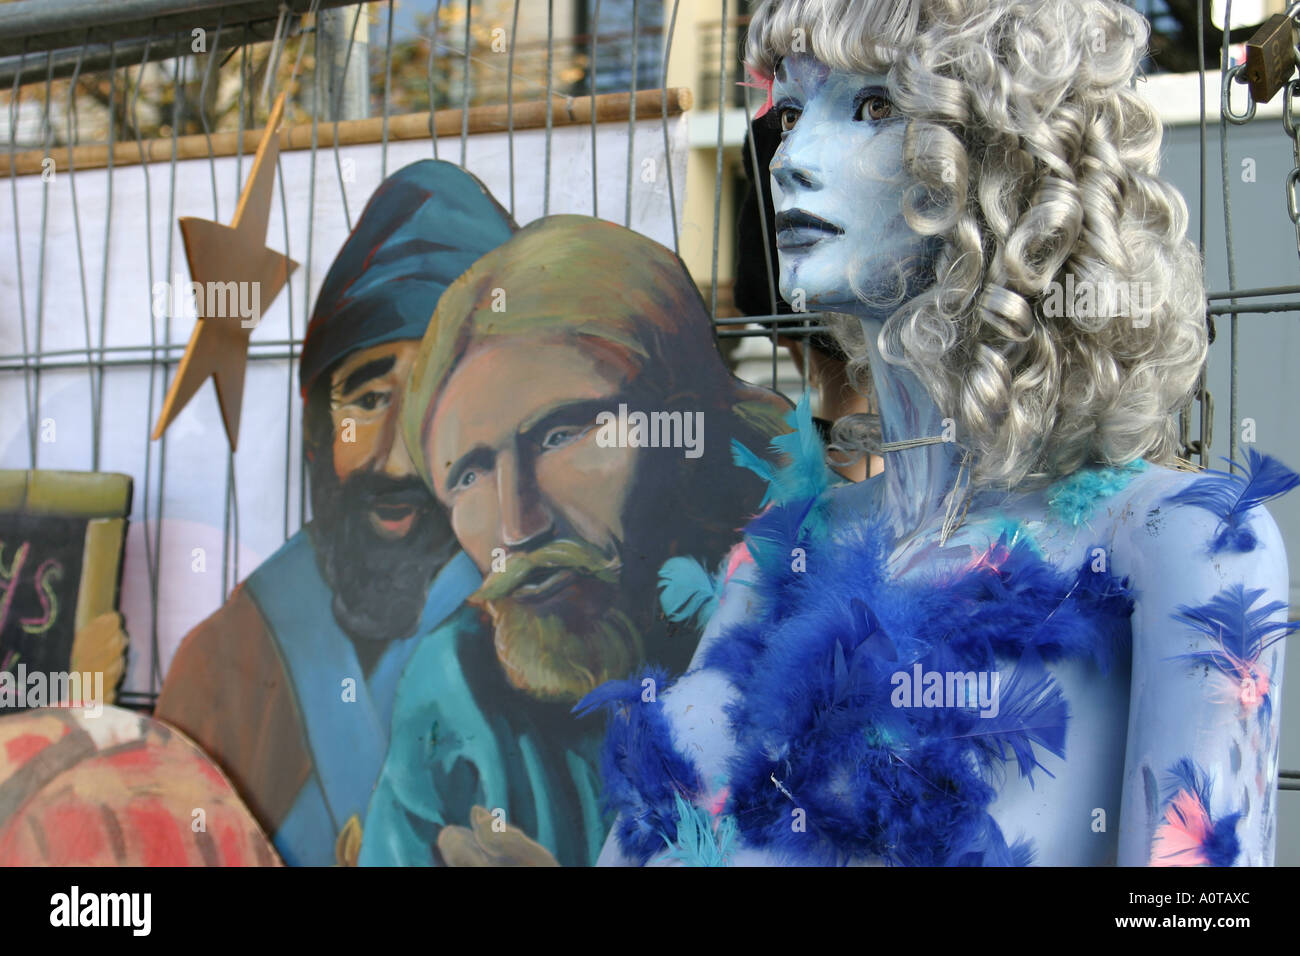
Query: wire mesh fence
x=136, y=88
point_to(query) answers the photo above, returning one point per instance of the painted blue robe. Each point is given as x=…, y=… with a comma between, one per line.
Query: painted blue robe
x=346, y=738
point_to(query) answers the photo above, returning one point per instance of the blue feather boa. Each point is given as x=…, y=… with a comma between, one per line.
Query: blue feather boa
x=822, y=737
x=816, y=708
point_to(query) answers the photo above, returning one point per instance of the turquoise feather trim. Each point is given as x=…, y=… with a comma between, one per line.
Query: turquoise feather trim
x=697, y=843
x=1073, y=499
x=805, y=473
x=687, y=590
x=795, y=502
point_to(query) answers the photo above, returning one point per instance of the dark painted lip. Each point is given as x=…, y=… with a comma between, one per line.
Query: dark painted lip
x=798, y=228
x=542, y=584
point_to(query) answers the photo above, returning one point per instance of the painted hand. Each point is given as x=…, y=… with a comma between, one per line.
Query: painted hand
x=490, y=841
x=100, y=647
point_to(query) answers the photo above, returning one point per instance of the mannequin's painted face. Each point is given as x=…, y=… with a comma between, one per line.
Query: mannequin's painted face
x=837, y=185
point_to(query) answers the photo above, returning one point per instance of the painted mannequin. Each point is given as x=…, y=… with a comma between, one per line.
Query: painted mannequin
x=939, y=193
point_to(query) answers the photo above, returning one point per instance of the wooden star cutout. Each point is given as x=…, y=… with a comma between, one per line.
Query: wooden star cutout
x=219, y=255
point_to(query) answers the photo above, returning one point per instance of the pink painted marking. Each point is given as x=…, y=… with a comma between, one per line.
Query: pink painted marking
x=1180, y=841
x=759, y=82
x=736, y=559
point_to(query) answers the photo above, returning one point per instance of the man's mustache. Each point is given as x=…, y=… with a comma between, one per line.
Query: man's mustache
x=565, y=553
x=372, y=489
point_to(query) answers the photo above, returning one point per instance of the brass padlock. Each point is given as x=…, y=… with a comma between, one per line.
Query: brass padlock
x=1270, y=57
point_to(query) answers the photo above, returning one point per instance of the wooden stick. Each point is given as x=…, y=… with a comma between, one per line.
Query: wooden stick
x=566, y=111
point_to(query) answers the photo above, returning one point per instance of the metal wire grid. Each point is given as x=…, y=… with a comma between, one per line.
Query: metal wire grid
x=162, y=353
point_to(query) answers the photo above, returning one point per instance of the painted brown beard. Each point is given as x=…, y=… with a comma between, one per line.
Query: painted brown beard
x=551, y=659
x=561, y=648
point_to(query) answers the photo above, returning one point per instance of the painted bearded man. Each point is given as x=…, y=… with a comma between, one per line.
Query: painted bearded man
x=529, y=412
x=289, y=685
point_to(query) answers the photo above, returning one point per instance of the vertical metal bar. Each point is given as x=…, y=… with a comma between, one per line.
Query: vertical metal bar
x=464, y=93
x=302, y=43
x=108, y=219
x=1227, y=235
x=1200, y=245
x=663, y=103
x=762, y=225
x=71, y=118
x=595, y=35
x=288, y=397
x=231, y=498
x=510, y=105
x=245, y=102
x=311, y=223
x=433, y=46
x=338, y=105
x=550, y=103
x=388, y=92
x=717, y=184
x=289, y=455
x=203, y=113
x=243, y=106
x=631, y=111
x=47, y=140
x=149, y=556
x=18, y=252
x=178, y=103
x=762, y=211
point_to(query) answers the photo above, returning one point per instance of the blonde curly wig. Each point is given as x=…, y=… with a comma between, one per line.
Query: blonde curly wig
x=1035, y=162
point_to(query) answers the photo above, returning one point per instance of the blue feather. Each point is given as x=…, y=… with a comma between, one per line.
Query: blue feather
x=687, y=590
x=641, y=769
x=1221, y=845
x=1239, y=630
x=1185, y=775
x=1231, y=497
x=1032, y=710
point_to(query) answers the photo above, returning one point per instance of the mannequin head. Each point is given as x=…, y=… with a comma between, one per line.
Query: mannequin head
x=838, y=184
x=994, y=216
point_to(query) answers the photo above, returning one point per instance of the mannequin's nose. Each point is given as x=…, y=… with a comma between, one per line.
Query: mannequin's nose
x=795, y=166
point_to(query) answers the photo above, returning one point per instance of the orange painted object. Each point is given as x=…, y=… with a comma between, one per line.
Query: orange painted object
x=116, y=789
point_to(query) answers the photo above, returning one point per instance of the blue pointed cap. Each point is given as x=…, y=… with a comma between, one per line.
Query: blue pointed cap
x=424, y=226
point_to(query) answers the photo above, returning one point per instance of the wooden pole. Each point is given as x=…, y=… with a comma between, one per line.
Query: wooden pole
x=608, y=107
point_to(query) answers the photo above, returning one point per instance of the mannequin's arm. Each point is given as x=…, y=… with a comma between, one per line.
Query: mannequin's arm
x=1201, y=760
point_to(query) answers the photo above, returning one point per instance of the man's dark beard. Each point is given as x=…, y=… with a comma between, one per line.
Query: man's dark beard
x=380, y=586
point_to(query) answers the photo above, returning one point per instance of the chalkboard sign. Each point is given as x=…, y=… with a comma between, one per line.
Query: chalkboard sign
x=61, y=540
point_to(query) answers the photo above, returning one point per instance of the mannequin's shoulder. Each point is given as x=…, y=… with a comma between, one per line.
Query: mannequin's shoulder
x=1176, y=516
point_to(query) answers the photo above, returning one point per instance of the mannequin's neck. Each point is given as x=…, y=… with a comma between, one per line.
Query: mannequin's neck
x=917, y=481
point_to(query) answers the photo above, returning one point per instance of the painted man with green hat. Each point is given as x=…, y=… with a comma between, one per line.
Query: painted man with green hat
x=290, y=684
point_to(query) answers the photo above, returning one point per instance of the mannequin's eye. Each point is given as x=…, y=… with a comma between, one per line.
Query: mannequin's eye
x=875, y=108
x=789, y=116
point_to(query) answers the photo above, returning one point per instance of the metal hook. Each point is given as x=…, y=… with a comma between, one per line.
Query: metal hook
x=1225, y=98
